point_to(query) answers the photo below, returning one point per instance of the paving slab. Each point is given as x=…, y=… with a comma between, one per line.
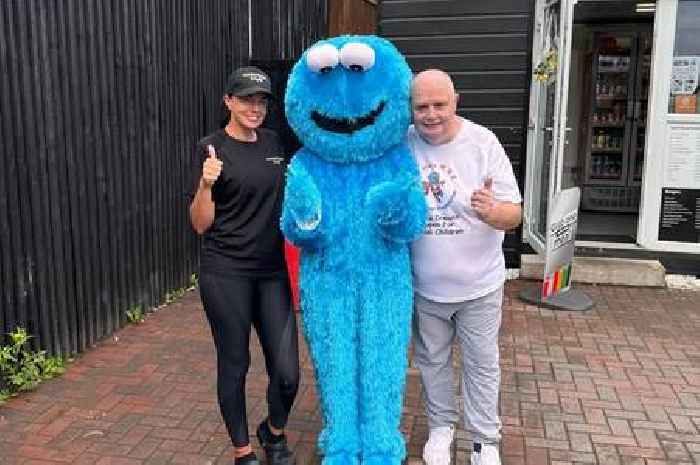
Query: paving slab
x=616, y=384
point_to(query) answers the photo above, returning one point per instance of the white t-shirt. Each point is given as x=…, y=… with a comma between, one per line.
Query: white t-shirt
x=459, y=257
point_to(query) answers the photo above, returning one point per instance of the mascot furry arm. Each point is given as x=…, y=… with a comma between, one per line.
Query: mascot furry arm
x=353, y=203
x=395, y=205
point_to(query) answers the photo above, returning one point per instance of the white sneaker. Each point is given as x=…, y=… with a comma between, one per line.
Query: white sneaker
x=488, y=456
x=437, y=451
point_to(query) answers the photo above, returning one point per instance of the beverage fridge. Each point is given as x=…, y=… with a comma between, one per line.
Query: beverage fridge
x=616, y=121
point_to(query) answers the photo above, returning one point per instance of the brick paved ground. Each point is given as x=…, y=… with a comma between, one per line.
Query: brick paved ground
x=617, y=385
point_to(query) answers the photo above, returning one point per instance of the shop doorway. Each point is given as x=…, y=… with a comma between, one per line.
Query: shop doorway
x=588, y=127
x=608, y=93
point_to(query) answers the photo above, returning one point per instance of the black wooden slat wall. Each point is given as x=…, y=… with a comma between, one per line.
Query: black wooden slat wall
x=486, y=48
x=272, y=40
x=101, y=102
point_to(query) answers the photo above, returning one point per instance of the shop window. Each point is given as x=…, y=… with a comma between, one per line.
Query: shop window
x=686, y=59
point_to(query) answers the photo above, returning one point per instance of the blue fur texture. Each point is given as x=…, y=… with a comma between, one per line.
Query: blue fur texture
x=353, y=203
x=344, y=93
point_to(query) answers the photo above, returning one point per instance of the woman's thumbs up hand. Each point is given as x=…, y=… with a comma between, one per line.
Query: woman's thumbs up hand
x=211, y=170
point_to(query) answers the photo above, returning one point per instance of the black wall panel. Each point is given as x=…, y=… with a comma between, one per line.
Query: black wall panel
x=101, y=103
x=486, y=47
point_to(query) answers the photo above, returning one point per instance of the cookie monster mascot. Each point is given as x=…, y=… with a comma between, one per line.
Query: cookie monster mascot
x=352, y=204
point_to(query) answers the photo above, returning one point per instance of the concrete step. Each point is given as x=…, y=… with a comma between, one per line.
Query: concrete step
x=602, y=270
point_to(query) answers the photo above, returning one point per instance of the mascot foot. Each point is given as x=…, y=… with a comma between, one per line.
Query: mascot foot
x=340, y=459
x=382, y=460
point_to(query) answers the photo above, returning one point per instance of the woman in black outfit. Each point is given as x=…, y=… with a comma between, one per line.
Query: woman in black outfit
x=235, y=204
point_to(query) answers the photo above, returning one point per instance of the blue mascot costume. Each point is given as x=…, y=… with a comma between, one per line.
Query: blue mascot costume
x=352, y=204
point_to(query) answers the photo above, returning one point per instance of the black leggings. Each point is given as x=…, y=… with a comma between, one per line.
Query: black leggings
x=232, y=304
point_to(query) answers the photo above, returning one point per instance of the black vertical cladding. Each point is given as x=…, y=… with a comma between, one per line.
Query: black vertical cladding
x=55, y=161
x=140, y=174
x=164, y=249
x=157, y=159
x=147, y=158
x=58, y=191
x=9, y=211
x=75, y=262
x=279, y=45
x=182, y=55
x=89, y=173
x=9, y=152
x=187, y=97
x=29, y=172
x=486, y=48
x=6, y=282
x=84, y=174
x=125, y=234
x=161, y=216
x=83, y=134
x=108, y=206
x=29, y=187
x=307, y=23
x=102, y=105
x=156, y=163
x=115, y=163
x=75, y=146
x=75, y=233
x=181, y=97
x=40, y=196
x=190, y=95
x=101, y=140
x=137, y=173
x=147, y=162
x=90, y=132
x=27, y=271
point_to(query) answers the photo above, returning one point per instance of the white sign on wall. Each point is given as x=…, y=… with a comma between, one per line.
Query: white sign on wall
x=684, y=75
x=682, y=168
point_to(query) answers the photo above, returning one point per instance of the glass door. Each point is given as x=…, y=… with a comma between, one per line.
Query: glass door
x=639, y=122
x=547, y=118
x=614, y=157
x=613, y=78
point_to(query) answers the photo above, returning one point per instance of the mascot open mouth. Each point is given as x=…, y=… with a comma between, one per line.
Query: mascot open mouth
x=346, y=125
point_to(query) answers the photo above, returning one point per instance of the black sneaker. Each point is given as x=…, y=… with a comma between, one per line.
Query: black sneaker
x=250, y=459
x=276, y=453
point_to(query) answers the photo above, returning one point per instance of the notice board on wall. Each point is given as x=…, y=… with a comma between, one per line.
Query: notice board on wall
x=679, y=217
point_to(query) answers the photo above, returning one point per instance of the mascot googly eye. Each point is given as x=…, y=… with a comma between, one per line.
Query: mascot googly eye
x=356, y=56
x=322, y=58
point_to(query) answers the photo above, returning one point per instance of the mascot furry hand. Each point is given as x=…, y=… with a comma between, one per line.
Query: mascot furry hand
x=353, y=203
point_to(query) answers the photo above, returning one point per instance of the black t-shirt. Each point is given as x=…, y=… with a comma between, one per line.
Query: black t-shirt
x=245, y=237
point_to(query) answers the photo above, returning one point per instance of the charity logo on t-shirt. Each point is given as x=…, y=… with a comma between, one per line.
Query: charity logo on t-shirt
x=440, y=186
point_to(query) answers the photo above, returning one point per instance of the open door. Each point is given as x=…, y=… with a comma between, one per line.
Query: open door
x=551, y=50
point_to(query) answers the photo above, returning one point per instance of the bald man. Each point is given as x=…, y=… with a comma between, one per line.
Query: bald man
x=458, y=266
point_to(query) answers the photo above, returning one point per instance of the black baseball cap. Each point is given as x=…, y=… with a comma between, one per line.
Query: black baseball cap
x=248, y=80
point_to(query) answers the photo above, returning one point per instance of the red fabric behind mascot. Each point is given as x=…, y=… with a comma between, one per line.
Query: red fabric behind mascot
x=291, y=253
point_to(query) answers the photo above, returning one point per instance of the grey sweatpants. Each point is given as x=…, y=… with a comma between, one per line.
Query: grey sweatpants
x=476, y=324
